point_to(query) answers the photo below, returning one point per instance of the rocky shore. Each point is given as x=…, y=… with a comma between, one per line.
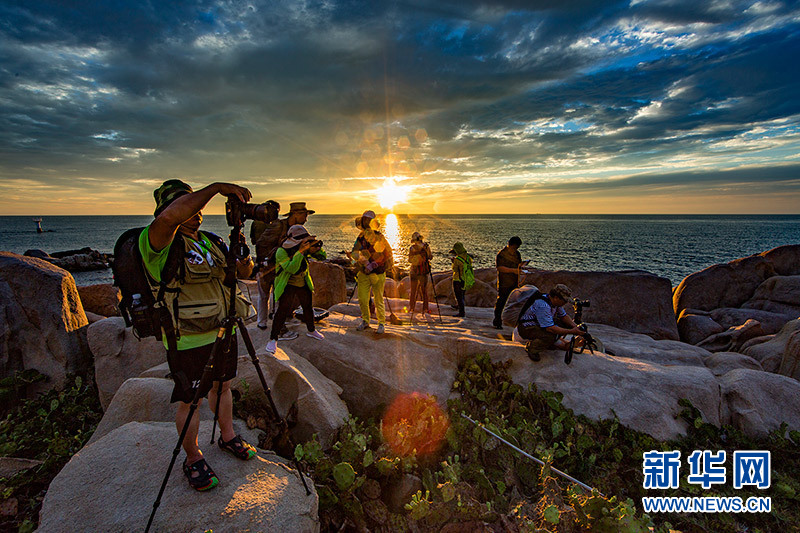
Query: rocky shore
x=727, y=339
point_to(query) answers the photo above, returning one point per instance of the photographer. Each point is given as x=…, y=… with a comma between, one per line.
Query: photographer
x=372, y=257
x=419, y=257
x=293, y=280
x=508, y=262
x=201, y=300
x=537, y=324
x=267, y=247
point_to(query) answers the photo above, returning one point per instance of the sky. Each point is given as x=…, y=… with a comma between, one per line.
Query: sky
x=448, y=106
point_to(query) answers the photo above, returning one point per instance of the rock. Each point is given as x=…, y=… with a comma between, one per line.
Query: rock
x=92, y=318
x=291, y=379
x=119, y=355
x=82, y=260
x=732, y=284
x=695, y=328
x=623, y=343
x=38, y=254
x=142, y=400
x=758, y=402
x=330, y=285
x=372, y=370
x=403, y=288
x=101, y=299
x=401, y=492
x=643, y=394
x=42, y=322
x=728, y=317
x=479, y=295
x=611, y=294
x=10, y=466
x=391, y=288
x=486, y=275
x=721, y=363
x=778, y=294
x=262, y=494
x=780, y=352
x=734, y=338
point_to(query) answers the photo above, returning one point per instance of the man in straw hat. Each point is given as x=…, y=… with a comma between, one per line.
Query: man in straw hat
x=266, y=247
x=372, y=257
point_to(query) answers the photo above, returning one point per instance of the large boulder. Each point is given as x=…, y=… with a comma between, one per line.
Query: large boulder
x=292, y=380
x=42, y=322
x=330, y=285
x=644, y=391
x=101, y=299
x=110, y=485
x=778, y=353
x=733, y=339
x=119, y=355
x=732, y=284
x=694, y=328
x=633, y=300
x=721, y=363
x=778, y=294
x=141, y=400
x=479, y=295
x=758, y=402
x=728, y=317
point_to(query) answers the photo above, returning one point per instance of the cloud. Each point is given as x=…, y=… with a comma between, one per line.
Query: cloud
x=305, y=96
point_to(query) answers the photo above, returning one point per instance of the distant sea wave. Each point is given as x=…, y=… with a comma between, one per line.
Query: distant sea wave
x=672, y=246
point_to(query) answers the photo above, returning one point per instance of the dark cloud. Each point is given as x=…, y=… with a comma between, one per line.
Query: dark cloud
x=508, y=90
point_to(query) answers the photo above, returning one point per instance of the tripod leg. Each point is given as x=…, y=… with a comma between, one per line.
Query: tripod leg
x=254, y=358
x=207, y=376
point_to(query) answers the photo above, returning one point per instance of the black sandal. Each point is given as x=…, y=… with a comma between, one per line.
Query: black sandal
x=204, y=480
x=238, y=448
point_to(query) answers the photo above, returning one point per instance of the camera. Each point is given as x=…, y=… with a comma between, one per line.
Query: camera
x=236, y=211
x=581, y=303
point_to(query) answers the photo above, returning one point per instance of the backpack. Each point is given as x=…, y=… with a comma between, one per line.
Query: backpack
x=468, y=275
x=537, y=295
x=148, y=315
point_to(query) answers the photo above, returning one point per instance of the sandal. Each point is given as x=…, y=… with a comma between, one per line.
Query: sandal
x=238, y=448
x=204, y=480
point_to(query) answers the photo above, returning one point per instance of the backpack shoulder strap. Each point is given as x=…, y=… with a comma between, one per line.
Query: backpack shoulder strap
x=216, y=239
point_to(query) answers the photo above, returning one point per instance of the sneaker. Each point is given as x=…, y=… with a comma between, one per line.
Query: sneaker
x=288, y=336
x=497, y=325
x=380, y=329
x=315, y=335
x=272, y=346
x=200, y=475
x=364, y=325
x=237, y=447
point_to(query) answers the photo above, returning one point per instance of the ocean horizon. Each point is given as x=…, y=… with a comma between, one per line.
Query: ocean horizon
x=672, y=246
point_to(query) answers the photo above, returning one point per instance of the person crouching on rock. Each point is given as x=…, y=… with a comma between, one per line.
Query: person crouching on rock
x=537, y=324
x=463, y=276
x=372, y=257
x=419, y=257
x=293, y=280
x=175, y=236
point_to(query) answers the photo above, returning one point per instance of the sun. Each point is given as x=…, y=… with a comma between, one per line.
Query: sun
x=390, y=194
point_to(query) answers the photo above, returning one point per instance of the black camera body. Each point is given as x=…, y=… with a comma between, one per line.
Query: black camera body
x=236, y=211
x=577, y=306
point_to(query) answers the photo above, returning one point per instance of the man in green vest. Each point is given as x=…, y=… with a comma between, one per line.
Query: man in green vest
x=198, y=301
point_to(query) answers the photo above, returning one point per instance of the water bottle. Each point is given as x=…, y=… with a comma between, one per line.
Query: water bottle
x=140, y=316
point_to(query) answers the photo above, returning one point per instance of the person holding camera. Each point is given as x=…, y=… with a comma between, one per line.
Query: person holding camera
x=293, y=281
x=267, y=247
x=372, y=257
x=538, y=323
x=508, y=262
x=200, y=298
x=419, y=257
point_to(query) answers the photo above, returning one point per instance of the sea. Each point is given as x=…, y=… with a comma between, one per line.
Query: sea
x=672, y=246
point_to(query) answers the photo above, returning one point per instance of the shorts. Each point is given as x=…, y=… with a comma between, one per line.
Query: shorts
x=540, y=339
x=186, y=369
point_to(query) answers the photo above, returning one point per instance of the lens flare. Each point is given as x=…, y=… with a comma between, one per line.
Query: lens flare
x=414, y=425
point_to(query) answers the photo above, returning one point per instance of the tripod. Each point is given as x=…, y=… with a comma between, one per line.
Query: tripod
x=238, y=250
x=588, y=340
